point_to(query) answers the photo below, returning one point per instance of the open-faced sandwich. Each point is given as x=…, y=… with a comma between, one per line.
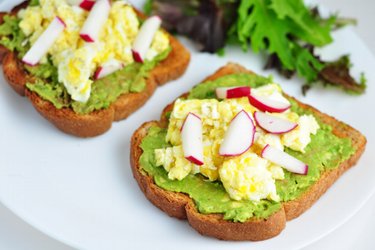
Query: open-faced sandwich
x=84, y=64
x=237, y=157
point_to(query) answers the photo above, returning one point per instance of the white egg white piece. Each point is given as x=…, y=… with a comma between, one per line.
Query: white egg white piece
x=273, y=124
x=191, y=135
x=144, y=38
x=264, y=104
x=108, y=68
x=232, y=92
x=95, y=21
x=239, y=136
x=285, y=160
x=44, y=42
x=74, y=72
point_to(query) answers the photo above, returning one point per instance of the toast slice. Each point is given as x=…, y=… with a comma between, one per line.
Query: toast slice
x=181, y=206
x=96, y=122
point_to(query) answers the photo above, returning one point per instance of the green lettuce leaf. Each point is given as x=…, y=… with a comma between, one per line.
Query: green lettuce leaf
x=286, y=29
x=303, y=24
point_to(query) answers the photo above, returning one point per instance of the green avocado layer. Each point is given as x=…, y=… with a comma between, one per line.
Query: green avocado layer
x=325, y=151
x=11, y=35
x=131, y=79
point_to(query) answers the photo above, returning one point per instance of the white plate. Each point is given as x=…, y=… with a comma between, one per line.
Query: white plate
x=81, y=191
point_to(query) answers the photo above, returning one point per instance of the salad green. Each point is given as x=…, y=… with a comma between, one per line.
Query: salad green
x=287, y=30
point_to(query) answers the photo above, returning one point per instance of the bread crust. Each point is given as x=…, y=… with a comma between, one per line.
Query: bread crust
x=181, y=206
x=96, y=122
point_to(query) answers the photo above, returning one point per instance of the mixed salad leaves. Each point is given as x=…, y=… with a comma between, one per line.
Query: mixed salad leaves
x=287, y=30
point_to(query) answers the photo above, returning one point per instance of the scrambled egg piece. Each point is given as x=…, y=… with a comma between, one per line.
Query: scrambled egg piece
x=262, y=139
x=118, y=33
x=34, y=19
x=158, y=45
x=174, y=162
x=247, y=177
x=276, y=171
x=216, y=117
x=115, y=41
x=299, y=138
x=75, y=70
x=272, y=91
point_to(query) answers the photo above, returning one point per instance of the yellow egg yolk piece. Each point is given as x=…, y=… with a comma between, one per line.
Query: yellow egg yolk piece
x=247, y=177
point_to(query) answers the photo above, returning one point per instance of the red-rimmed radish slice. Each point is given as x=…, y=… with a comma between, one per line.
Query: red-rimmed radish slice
x=264, y=104
x=84, y=4
x=285, y=160
x=273, y=124
x=44, y=42
x=107, y=69
x=232, y=92
x=239, y=136
x=144, y=38
x=87, y=4
x=95, y=21
x=191, y=136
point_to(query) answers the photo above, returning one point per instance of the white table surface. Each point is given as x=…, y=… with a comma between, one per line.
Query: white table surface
x=357, y=233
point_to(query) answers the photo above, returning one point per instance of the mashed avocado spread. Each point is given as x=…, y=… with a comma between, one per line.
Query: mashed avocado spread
x=325, y=151
x=132, y=78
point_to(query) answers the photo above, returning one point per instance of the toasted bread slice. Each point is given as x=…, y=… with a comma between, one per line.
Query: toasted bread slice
x=181, y=206
x=97, y=122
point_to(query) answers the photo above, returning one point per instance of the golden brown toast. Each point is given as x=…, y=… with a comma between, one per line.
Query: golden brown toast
x=97, y=122
x=181, y=206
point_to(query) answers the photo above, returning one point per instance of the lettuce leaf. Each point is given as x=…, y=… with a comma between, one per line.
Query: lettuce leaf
x=287, y=30
x=279, y=27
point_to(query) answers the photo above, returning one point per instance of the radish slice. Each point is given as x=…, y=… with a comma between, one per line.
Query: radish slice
x=107, y=69
x=239, y=136
x=191, y=135
x=144, y=38
x=284, y=160
x=44, y=42
x=95, y=21
x=87, y=4
x=264, y=104
x=84, y=4
x=232, y=92
x=273, y=124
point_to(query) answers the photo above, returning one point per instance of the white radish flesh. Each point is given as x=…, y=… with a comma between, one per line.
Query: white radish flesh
x=44, y=42
x=144, y=38
x=273, y=124
x=264, y=104
x=95, y=21
x=107, y=69
x=232, y=92
x=285, y=160
x=191, y=136
x=239, y=136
